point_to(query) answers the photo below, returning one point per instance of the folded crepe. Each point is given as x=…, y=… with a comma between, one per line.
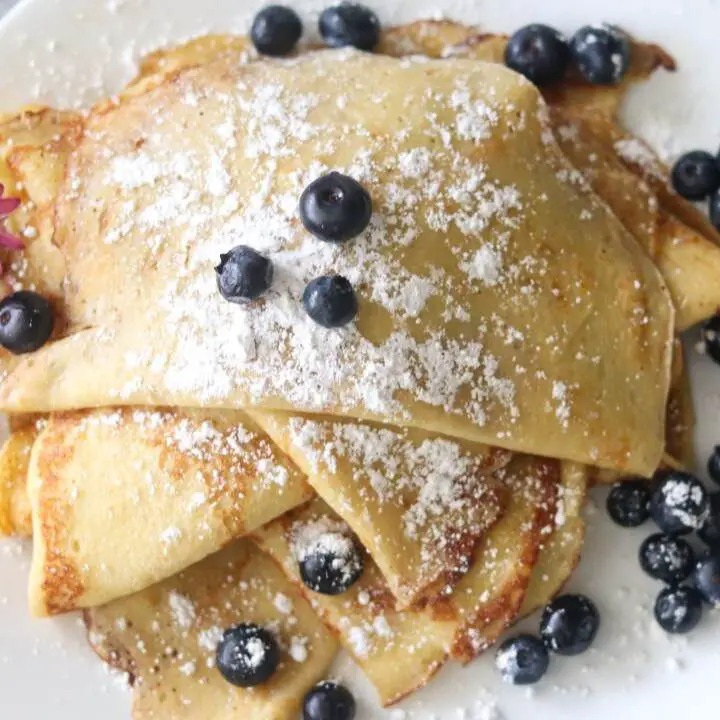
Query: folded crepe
x=140, y=221
x=400, y=650
x=124, y=498
x=166, y=637
x=418, y=502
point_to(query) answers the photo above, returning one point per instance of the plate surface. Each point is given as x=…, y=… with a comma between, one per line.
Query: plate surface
x=69, y=52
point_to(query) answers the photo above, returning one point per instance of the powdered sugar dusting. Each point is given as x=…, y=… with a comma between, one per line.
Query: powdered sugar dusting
x=182, y=609
x=433, y=485
x=271, y=349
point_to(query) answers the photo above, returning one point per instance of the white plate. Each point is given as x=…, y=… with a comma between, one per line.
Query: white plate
x=71, y=51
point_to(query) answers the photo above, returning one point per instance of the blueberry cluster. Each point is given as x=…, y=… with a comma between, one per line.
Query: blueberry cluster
x=276, y=29
x=334, y=208
x=248, y=655
x=568, y=626
x=601, y=54
x=679, y=505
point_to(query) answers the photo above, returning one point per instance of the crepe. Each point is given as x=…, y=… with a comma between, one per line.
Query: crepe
x=679, y=425
x=15, y=511
x=123, y=498
x=560, y=552
x=419, y=503
x=410, y=363
x=400, y=650
x=166, y=636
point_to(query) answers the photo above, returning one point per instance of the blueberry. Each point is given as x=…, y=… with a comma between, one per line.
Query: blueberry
x=330, y=301
x=628, y=503
x=709, y=533
x=713, y=463
x=679, y=503
x=26, y=322
x=678, y=609
x=331, y=564
x=711, y=338
x=329, y=701
x=538, y=52
x=522, y=660
x=243, y=274
x=569, y=624
x=335, y=208
x=714, y=208
x=695, y=175
x=666, y=557
x=706, y=577
x=349, y=24
x=247, y=655
x=601, y=53
x=276, y=30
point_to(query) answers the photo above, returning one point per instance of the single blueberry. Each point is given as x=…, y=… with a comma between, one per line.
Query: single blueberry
x=711, y=339
x=601, y=53
x=335, y=208
x=679, y=503
x=331, y=563
x=329, y=701
x=539, y=52
x=26, y=322
x=276, y=30
x=709, y=533
x=522, y=660
x=349, y=24
x=678, y=609
x=247, y=655
x=666, y=557
x=569, y=624
x=330, y=301
x=628, y=502
x=695, y=175
x=706, y=577
x=243, y=274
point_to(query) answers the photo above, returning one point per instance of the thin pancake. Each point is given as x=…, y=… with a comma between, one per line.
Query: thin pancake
x=122, y=499
x=688, y=260
x=488, y=395
x=166, y=635
x=419, y=503
x=15, y=511
x=679, y=426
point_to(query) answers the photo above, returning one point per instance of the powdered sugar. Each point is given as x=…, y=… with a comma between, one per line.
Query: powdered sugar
x=639, y=153
x=182, y=610
x=485, y=266
x=254, y=652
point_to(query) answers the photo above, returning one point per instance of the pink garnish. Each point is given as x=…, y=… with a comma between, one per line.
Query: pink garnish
x=8, y=206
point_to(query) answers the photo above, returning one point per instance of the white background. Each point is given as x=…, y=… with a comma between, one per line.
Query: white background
x=70, y=51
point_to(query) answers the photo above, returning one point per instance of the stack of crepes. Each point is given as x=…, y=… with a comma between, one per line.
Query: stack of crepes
x=522, y=284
